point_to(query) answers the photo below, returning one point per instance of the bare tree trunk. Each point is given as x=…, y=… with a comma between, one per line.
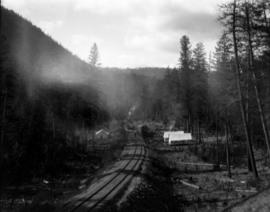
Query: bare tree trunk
x=228, y=159
x=254, y=80
x=265, y=17
x=247, y=113
x=217, y=143
x=189, y=122
x=53, y=127
x=242, y=106
x=199, y=131
x=247, y=97
x=230, y=138
x=3, y=119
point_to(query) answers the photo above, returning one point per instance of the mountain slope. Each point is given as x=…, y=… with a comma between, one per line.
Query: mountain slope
x=42, y=101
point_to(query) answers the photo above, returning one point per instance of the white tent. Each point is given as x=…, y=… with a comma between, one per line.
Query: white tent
x=179, y=138
x=101, y=134
x=167, y=134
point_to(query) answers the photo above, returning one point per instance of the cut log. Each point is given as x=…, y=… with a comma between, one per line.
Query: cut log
x=246, y=191
x=226, y=180
x=201, y=164
x=190, y=184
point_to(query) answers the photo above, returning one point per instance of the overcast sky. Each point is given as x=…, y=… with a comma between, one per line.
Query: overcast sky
x=129, y=33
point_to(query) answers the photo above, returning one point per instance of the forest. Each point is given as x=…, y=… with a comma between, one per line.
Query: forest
x=41, y=104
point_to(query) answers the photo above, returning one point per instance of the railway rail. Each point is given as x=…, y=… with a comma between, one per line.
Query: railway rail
x=109, y=185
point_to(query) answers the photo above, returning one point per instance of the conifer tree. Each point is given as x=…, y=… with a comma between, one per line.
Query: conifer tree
x=94, y=56
x=200, y=85
x=185, y=62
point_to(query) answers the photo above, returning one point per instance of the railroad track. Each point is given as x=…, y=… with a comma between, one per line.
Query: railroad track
x=98, y=194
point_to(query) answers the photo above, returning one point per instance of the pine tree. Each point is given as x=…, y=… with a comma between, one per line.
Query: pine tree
x=94, y=56
x=251, y=59
x=233, y=24
x=200, y=85
x=225, y=73
x=185, y=62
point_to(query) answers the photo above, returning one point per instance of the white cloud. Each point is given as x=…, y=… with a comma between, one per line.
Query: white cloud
x=13, y=3
x=128, y=32
x=49, y=26
x=24, y=3
x=102, y=6
x=79, y=39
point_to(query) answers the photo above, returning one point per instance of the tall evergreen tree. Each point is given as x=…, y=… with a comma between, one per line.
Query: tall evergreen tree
x=94, y=56
x=225, y=73
x=185, y=62
x=200, y=85
x=231, y=20
x=250, y=37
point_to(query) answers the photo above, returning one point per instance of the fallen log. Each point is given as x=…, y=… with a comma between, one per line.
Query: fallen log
x=226, y=180
x=190, y=184
x=201, y=164
x=246, y=190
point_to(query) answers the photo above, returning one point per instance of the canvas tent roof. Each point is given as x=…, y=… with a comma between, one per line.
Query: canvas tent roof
x=168, y=133
x=102, y=131
x=180, y=137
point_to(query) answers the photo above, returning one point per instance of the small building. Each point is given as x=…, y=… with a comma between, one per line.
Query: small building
x=179, y=138
x=102, y=134
x=167, y=134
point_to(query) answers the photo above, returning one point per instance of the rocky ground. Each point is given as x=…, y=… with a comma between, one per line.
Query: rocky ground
x=208, y=188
